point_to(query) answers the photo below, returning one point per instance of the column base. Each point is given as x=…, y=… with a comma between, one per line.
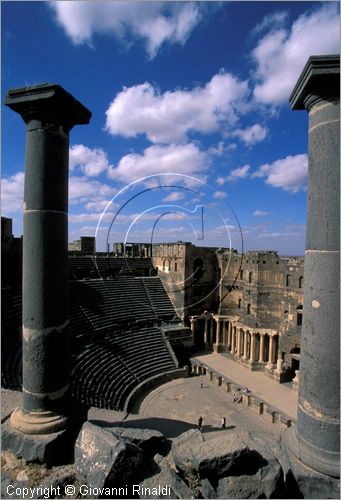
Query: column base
x=37, y=423
x=218, y=347
x=51, y=449
x=316, y=459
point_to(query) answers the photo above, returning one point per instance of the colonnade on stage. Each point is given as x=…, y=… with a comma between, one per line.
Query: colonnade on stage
x=254, y=346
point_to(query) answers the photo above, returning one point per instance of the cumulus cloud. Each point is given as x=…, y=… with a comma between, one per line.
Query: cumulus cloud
x=281, y=54
x=12, y=193
x=82, y=190
x=260, y=213
x=251, y=135
x=184, y=159
x=168, y=117
x=238, y=173
x=289, y=173
x=174, y=196
x=155, y=23
x=91, y=162
x=219, y=195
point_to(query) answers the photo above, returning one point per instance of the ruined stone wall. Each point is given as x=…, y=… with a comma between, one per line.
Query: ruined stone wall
x=190, y=275
x=170, y=261
x=264, y=290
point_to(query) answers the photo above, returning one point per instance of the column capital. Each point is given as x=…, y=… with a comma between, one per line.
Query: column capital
x=320, y=79
x=49, y=104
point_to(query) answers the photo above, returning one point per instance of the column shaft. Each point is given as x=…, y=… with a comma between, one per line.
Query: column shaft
x=261, y=348
x=49, y=113
x=252, y=347
x=271, y=354
x=245, y=345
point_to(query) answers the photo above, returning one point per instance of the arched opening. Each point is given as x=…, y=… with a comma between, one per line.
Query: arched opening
x=295, y=359
x=198, y=268
x=299, y=315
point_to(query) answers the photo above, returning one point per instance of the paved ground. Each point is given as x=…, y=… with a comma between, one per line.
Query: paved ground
x=279, y=395
x=176, y=406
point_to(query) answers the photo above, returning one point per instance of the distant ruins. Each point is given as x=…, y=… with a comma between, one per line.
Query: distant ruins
x=103, y=332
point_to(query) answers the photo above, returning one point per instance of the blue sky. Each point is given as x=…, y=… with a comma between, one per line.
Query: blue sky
x=192, y=137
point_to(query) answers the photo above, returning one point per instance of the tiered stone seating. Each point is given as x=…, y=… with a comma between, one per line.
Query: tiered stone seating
x=91, y=266
x=161, y=304
x=111, y=366
x=116, y=344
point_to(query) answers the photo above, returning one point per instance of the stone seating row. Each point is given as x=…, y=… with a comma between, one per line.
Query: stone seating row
x=108, y=368
x=272, y=414
x=160, y=301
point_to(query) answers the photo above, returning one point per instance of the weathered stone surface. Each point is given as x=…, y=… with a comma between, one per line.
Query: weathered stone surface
x=266, y=482
x=149, y=441
x=9, y=401
x=302, y=481
x=104, y=459
x=213, y=458
x=50, y=449
x=182, y=448
x=206, y=489
x=162, y=475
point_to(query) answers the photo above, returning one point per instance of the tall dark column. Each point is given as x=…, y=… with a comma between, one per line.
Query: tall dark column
x=49, y=113
x=316, y=439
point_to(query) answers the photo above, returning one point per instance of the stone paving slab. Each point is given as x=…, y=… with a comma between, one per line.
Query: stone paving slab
x=279, y=395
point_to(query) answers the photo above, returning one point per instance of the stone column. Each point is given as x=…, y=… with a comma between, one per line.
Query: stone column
x=218, y=332
x=252, y=347
x=279, y=365
x=229, y=332
x=238, y=342
x=245, y=345
x=206, y=331
x=316, y=439
x=261, y=347
x=232, y=339
x=271, y=352
x=193, y=322
x=49, y=113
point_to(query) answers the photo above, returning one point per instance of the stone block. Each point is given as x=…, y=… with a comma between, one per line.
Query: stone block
x=150, y=441
x=103, y=459
x=164, y=479
x=182, y=448
x=258, y=479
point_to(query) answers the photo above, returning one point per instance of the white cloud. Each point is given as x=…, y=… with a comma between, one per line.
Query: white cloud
x=82, y=190
x=169, y=117
x=273, y=21
x=12, y=193
x=238, y=173
x=153, y=22
x=260, y=213
x=219, y=195
x=234, y=175
x=174, y=196
x=251, y=135
x=91, y=162
x=288, y=173
x=184, y=159
x=281, y=54
x=100, y=205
